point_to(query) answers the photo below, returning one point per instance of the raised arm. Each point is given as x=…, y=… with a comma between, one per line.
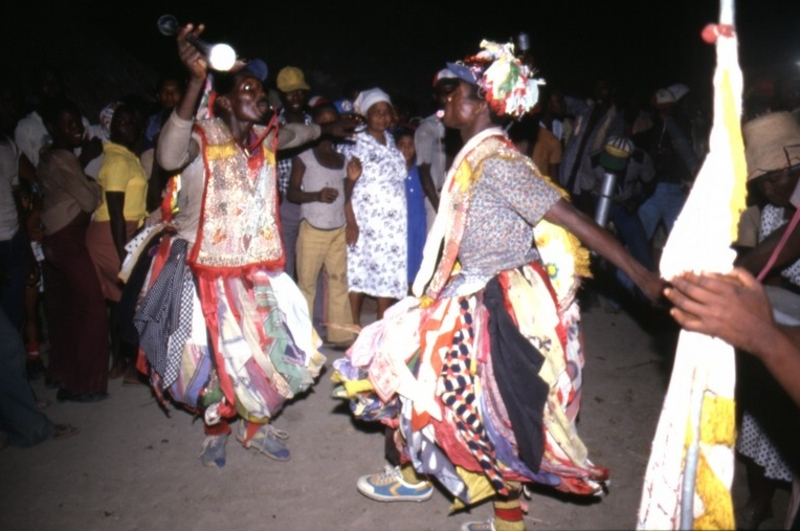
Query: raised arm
x=197, y=66
x=175, y=146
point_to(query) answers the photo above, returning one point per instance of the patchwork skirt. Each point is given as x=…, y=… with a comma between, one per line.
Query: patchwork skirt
x=485, y=387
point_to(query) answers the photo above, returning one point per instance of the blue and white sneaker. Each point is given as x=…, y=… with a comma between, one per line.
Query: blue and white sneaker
x=213, y=450
x=487, y=525
x=268, y=440
x=389, y=486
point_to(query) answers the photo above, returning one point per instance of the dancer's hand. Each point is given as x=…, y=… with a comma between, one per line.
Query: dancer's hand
x=194, y=61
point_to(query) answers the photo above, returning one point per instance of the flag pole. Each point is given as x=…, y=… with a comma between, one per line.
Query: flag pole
x=690, y=470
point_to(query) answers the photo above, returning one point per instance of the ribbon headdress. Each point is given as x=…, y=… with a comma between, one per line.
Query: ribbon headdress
x=506, y=82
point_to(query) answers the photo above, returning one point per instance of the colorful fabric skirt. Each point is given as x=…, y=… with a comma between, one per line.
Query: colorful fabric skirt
x=485, y=388
x=244, y=342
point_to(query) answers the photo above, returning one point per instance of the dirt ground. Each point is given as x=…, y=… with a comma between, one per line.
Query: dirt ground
x=133, y=467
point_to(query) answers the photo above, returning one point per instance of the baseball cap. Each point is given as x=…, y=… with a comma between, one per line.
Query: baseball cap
x=616, y=153
x=665, y=96
x=291, y=78
x=258, y=68
x=443, y=74
x=466, y=73
x=679, y=90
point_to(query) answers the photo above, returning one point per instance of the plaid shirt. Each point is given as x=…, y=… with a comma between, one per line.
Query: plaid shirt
x=285, y=161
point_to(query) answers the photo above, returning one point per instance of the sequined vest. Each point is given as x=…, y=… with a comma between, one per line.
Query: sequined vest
x=239, y=227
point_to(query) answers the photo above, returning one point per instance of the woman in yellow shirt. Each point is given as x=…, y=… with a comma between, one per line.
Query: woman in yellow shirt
x=124, y=183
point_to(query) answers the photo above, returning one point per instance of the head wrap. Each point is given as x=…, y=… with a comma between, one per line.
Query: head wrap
x=506, y=82
x=368, y=98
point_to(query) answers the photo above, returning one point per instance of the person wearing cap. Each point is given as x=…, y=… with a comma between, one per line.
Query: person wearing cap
x=668, y=141
x=350, y=91
x=759, y=320
x=294, y=92
x=294, y=97
x=635, y=175
x=481, y=368
x=430, y=147
x=772, y=152
x=318, y=184
x=223, y=329
x=740, y=310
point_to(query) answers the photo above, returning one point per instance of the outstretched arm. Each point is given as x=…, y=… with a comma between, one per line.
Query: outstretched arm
x=602, y=242
x=295, y=135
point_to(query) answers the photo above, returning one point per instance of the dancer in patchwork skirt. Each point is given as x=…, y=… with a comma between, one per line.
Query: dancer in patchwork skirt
x=480, y=372
x=223, y=329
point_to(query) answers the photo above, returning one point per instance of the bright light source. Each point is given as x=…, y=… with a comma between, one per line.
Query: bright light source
x=221, y=57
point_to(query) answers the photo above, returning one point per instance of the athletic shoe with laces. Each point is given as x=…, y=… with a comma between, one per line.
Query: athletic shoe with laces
x=486, y=525
x=213, y=450
x=389, y=486
x=268, y=440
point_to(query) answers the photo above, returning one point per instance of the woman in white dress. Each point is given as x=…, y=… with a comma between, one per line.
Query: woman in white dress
x=376, y=224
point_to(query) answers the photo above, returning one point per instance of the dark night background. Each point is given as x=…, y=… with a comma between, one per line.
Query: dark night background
x=107, y=49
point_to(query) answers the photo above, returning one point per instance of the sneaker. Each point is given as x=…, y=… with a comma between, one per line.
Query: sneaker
x=389, y=486
x=268, y=440
x=487, y=525
x=213, y=451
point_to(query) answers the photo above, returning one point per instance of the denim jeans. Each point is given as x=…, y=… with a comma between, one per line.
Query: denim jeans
x=664, y=205
x=632, y=235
